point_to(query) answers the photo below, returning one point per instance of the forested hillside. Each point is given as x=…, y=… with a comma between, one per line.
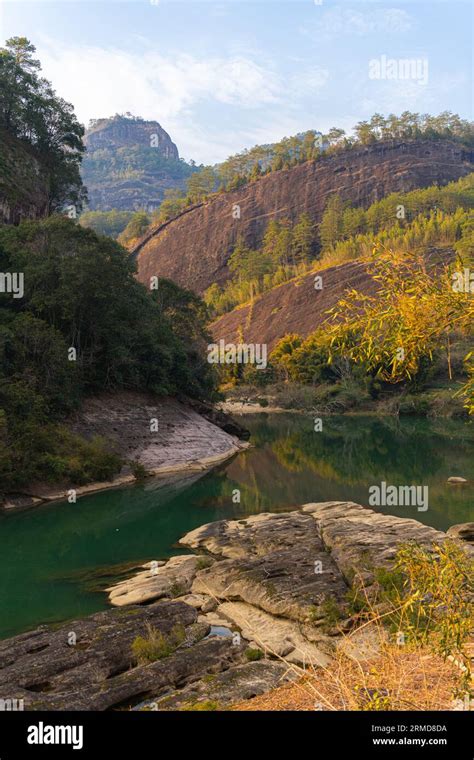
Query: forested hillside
x=74, y=320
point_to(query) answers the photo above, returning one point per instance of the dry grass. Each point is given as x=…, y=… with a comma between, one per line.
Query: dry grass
x=396, y=679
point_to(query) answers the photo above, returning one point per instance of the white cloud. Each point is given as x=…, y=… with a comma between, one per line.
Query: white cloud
x=113, y=78
x=175, y=89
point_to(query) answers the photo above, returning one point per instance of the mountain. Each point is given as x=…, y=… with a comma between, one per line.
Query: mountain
x=130, y=163
x=193, y=248
x=298, y=306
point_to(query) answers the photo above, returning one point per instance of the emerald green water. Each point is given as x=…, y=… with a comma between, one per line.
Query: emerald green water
x=52, y=557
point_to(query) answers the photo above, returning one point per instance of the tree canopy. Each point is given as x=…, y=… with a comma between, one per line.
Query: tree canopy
x=31, y=111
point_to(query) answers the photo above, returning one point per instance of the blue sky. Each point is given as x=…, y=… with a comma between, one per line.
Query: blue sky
x=223, y=76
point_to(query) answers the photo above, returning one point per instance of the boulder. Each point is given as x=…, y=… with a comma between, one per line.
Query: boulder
x=277, y=562
x=463, y=531
x=361, y=540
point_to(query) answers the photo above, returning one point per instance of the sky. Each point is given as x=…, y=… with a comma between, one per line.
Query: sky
x=223, y=76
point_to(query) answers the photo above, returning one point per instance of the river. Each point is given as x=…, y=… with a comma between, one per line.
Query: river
x=53, y=559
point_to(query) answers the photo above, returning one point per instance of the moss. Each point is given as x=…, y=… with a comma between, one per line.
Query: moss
x=252, y=655
x=207, y=705
x=203, y=563
x=177, y=589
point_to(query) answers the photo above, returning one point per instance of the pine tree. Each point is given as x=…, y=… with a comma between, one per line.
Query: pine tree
x=331, y=227
x=303, y=239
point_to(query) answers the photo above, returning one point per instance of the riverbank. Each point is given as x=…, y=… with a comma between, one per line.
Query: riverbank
x=254, y=603
x=151, y=437
x=346, y=397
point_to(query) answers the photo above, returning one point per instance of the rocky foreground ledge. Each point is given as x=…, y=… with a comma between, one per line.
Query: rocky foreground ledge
x=268, y=583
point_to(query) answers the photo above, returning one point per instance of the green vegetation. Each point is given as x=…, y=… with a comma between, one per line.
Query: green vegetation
x=419, y=218
x=84, y=325
x=249, y=165
x=136, y=227
x=427, y=597
x=31, y=112
x=286, y=252
x=110, y=223
x=156, y=645
x=207, y=705
x=414, y=326
x=435, y=216
x=253, y=655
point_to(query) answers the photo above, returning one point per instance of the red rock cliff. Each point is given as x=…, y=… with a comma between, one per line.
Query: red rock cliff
x=193, y=248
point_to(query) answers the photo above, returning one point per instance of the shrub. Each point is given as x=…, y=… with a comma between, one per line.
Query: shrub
x=157, y=645
x=253, y=655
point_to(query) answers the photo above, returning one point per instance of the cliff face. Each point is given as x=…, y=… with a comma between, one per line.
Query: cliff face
x=300, y=307
x=129, y=164
x=193, y=249
x=24, y=182
x=122, y=133
x=294, y=307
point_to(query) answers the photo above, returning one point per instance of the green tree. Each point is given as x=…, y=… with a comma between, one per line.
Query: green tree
x=136, y=227
x=331, y=227
x=303, y=239
x=30, y=110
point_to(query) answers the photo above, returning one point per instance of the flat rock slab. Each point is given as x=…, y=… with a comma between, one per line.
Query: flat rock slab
x=227, y=688
x=277, y=563
x=99, y=671
x=182, y=437
x=157, y=580
x=275, y=636
x=361, y=540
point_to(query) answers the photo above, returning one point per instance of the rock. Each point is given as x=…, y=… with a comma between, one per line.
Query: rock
x=277, y=637
x=199, y=602
x=186, y=444
x=227, y=688
x=129, y=140
x=361, y=540
x=214, y=619
x=184, y=441
x=171, y=579
x=218, y=417
x=99, y=671
x=455, y=480
x=363, y=644
x=187, y=250
x=278, y=563
x=463, y=531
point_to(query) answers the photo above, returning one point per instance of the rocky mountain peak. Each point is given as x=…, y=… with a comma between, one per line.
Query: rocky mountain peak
x=129, y=131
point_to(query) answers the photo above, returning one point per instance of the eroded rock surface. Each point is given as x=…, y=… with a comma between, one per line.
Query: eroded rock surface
x=228, y=687
x=158, y=579
x=361, y=540
x=279, y=581
x=98, y=671
x=277, y=562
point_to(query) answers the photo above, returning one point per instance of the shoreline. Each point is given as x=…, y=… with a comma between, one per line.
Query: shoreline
x=13, y=503
x=240, y=633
